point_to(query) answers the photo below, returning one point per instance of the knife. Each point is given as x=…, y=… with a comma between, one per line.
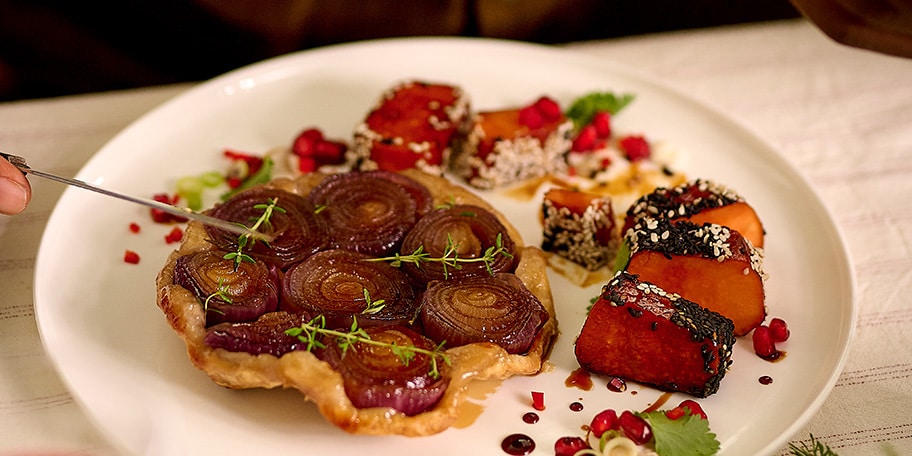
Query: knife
x=232, y=227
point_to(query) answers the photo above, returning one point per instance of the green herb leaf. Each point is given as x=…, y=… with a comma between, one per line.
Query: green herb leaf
x=262, y=176
x=812, y=448
x=582, y=109
x=688, y=435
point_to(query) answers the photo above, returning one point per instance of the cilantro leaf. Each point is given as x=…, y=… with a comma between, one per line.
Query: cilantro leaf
x=582, y=109
x=688, y=435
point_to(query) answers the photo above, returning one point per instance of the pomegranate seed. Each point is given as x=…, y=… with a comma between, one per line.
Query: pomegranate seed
x=694, y=407
x=548, y=108
x=602, y=123
x=233, y=182
x=175, y=235
x=568, y=446
x=531, y=117
x=675, y=413
x=307, y=164
x=131, y=257
x=635, y=428
x=253, y=162
x=635, y=147
x=302, y=146
x=606, y=162
x=134, y=227
x=763, y=342
x=330, y=152
x=538, y=400
x=585, y=140
x=604, y=421
x=779, y=331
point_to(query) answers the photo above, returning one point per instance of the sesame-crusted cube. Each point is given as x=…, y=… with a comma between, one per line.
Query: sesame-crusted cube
x=580, y=227
x=639, y=332
x=502, y=148
x=710, y=264
x=414, y=125
x=700, y=201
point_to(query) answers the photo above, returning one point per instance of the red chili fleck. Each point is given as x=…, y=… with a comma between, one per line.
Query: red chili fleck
x=175, y=235
x=538, y=400
x=134, y=227
x=131, y=257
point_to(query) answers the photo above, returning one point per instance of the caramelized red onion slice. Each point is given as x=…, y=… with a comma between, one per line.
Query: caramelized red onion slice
x=498, y=309
x=424, y=201
x=472, y=230
x=364, y=212
x=228, y=294
x=266, y=335
x=298, y=232
x=375, y=376
x=333, y=283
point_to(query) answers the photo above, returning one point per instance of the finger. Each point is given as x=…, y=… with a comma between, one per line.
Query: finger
x=15, y=191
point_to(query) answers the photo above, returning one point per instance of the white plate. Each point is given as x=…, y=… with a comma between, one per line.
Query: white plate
x=111, y=344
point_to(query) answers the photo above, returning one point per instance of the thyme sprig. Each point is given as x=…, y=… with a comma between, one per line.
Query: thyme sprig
x=450, y=257
x=221, y=293
x=311, y=332
x=239, y=256
x=372, y=306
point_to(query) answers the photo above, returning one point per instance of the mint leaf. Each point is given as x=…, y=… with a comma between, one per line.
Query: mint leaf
x=688, y=435
x=582, y=109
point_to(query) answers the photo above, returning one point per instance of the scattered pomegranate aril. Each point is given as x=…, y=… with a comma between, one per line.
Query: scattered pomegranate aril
x=635, y=428
x=779, y=331
x=764, y=346
x=675, y=413
x=602, y=122
x=159, y=216
x=175, y=235
x=531, y=117
x=233, y=182
x=252, y=161
x=131, y=257
x=538, y=400
x=549, y=109
x=307, y=164
x=606, y=420
x=568, y=446
x=635, y=147
x=134, y=227
x=585, y=140
x=695, y=408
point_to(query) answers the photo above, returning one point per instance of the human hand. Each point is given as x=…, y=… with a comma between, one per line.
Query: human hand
x=883, y=26
x=15, y=191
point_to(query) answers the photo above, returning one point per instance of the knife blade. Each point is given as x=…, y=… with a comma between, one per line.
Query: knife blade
x=232, y=227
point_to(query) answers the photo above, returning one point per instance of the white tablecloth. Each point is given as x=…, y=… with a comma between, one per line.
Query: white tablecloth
x=842, y=116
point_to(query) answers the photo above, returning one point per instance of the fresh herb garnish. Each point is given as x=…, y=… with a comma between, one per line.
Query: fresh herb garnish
x=688, y=435
x=582, y=109
x=243, y=240
x=450, y=257
x=311, y=332
x=221, y=293
x=372, y=307
x=812, y=448
x=262, y=176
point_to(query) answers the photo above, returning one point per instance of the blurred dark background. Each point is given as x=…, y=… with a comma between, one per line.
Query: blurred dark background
x=60, y=47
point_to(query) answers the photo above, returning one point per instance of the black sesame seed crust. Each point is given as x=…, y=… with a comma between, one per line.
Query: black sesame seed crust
x=710, y=329
x=682, y=238
x=573, y=236
x=685, y=200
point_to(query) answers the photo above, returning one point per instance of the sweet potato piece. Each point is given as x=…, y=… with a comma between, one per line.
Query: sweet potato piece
x=501, y=150
x=700, y=201
x=579, y=226
x=414, y=126
x=637, y=331
x=709, y=264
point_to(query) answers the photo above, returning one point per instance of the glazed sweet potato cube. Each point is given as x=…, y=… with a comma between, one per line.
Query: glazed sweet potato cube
x=700, y=201
x=709, y=264
x=639, y=332
x=503, y=148
x=414, y=126
x=579, y=226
